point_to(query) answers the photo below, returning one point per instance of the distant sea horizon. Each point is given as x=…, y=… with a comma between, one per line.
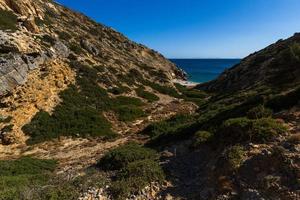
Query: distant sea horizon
x=202, y=70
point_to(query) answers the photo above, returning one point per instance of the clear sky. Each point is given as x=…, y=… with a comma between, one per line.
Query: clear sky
x=197, y=28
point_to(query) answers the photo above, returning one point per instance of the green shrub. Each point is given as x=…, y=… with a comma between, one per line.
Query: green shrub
x=247, y=130
x=266, y=128
x=168, y=90
x=259, y=112
x=61, y=191
x=46, y=21
x=23, y=174
x=64, y=35
x=26, y=165
x=201, y=137
x=148, y=169
x=295, y=50
x=167, y=127
x=146, y=95
x=79, y=115
x=8, y=20
x=189, y=92
x=285, y=101
x=5, y=119
x=118, y=90
x=129, y=112
x=123, y=100
x=76, y=48
x=160, y=74
x=180, y=127
x=48, y=39
x=123, y=155
x=7, y=128
x=235, y=156
x=135, y=177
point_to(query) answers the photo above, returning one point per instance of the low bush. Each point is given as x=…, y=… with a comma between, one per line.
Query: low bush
x=146, y=95
x=123, y=155
x=135, y=177
x=26, y=165
x=285, y=101
x=48, y=39
x=64, y=35
x=123, y=100
x=7, y=128
x=76, y=48
x=46, y=21
x=118, y=90
x=201, y=137
x=80, y=114
x=246, y=130
x=5, y=119
x=160, y=74
x=176, y=128
x=127, y=108
x=8, y=20
x=168, y=90
x=259, y=112
x=190, y=92
x=129, y=112
x=235, y=156
x=266, y=128
x=148, y=169
x=20, y=176
x=167, y=127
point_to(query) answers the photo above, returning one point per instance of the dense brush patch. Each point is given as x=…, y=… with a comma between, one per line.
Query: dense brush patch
x=136, y=167
x=80, y=112
x=163, y=132
x=146, y=95
x=30, y=178
x=8, y=20
x=121, y=156
x=240, y=117
x=19, y=175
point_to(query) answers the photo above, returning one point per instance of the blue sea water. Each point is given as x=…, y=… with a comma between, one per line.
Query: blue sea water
x=203, y=70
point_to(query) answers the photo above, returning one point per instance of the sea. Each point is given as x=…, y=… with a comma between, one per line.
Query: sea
x=204, y=70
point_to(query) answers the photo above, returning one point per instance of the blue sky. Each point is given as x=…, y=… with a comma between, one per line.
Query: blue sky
x=197, y=28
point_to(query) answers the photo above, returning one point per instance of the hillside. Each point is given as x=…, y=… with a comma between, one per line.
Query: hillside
x=276, y=66
x=87, y=114
x=47, y=50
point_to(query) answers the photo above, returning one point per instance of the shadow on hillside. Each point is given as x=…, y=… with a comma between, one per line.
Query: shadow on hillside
x=187, y=172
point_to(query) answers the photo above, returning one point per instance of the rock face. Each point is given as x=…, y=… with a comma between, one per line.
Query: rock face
x=15, y=65
x=275, y=65
x=43, y=45
x=62, y=31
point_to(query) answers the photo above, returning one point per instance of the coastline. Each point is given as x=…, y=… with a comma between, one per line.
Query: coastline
x=185, y=83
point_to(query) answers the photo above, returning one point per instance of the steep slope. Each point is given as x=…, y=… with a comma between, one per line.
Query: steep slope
x=276, y=66
x=244, y=140
x=48, y=52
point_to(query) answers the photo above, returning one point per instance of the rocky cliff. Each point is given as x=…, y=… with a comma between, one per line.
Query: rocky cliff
x=37, y=37
x=34, y=32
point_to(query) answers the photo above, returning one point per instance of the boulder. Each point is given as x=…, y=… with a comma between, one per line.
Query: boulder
x=87, y=45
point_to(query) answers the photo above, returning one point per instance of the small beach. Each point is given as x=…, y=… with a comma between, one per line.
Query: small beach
x=185, y=83
x=203, y=70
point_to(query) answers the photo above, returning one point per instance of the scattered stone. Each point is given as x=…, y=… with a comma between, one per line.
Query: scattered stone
x=251, y=194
